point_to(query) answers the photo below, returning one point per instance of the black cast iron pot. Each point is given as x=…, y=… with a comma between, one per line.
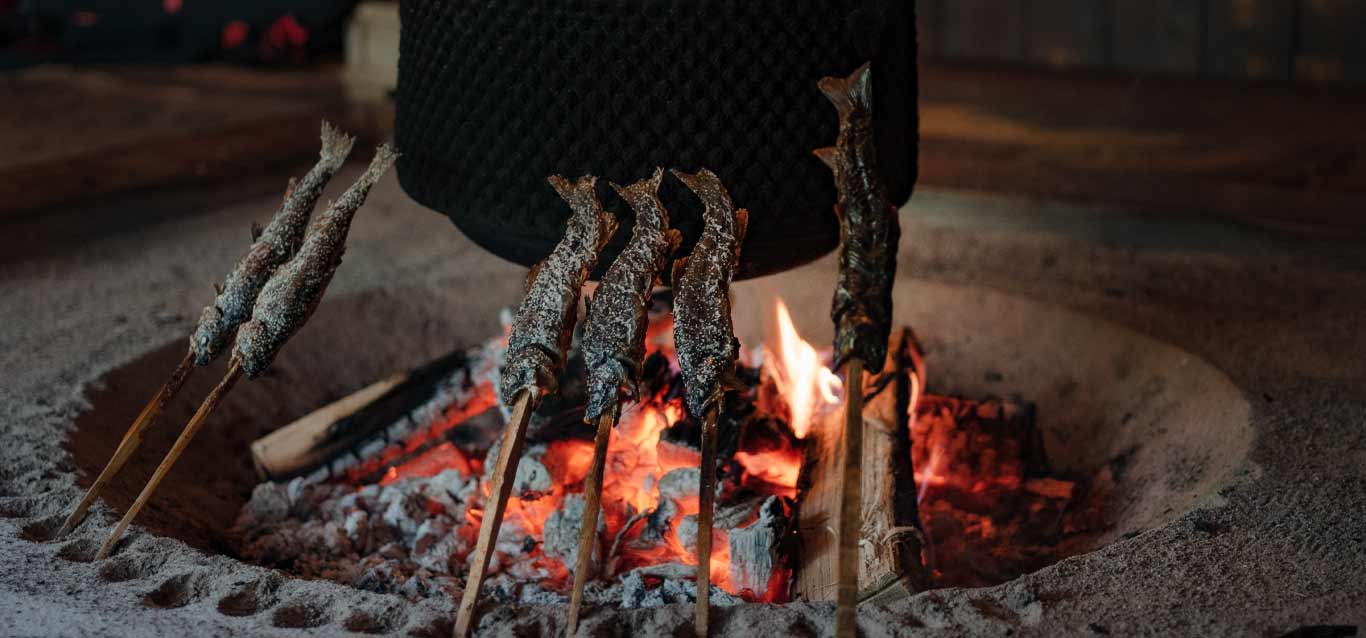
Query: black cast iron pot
x=494, y=95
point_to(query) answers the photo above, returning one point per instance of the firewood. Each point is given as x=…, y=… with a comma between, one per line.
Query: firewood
x=889, y=556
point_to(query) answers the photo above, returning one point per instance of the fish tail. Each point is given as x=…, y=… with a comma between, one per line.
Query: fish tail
x=385, y=156
x=647, y=187
x=852, y=94
x=336, y=146
x=582, y=197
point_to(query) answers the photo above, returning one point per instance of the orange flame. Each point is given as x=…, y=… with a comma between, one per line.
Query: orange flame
x=806, y=385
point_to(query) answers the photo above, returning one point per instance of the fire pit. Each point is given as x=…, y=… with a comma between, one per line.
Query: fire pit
x=1173, y=434
x=1114, y=424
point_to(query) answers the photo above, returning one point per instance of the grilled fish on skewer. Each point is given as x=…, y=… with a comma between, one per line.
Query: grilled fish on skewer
x=614, y=349
x=273, y=247
x=544, y=324
x=536, y=355
x=704, y=340
x=283, y=306
x=270, y=248
x=289, y=298
x=862, y=306
x=703, y=334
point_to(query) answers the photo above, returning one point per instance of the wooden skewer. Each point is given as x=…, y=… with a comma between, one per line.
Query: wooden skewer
x=131, y=440
x=504, y=475
x=191, y=428
x=588, y=526
x=851, y=504
x=706, y=501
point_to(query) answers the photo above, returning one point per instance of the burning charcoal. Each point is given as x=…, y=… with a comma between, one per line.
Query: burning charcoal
x=739, y=514
x=544, y=325
x=659, y=522
x=679, y=484
x=561, y=537
x=451, y=490
x=614, y=333
x=533, y=479
x=437, y=542
x=357, y=527
x=687, y=534
x=271, y=248
x=754, y=550
x=403, y=512
x=269, y=504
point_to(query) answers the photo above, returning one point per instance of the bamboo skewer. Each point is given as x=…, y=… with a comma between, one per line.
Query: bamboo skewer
x=131, y=440
x=851, y=504
x=706, y=499
x=504, y=475
x=192, y=428
x=588, y=527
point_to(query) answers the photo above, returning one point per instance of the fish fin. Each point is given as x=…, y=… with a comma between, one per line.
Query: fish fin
x=256, y=231
x=675, y=241
x=218, y=288
x=851, y=94
x=384, y=158
x=676, y=274
x=741, y=226
x=534, y=272
x=830, y=156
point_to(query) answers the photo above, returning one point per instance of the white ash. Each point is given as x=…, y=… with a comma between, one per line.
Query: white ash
x=754, y=551
x=561, y=537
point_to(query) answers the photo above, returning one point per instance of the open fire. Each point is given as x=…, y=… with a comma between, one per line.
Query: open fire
x=399, y=509
x=411, y=530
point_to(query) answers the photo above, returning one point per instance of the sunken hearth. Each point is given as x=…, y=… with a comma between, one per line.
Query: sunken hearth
x=1041, y=434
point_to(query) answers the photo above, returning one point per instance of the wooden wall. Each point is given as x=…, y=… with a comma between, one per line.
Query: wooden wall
x=1320, y=41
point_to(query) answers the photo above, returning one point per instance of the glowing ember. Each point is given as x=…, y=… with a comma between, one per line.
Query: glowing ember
x=649, y=498
x=806, y=385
